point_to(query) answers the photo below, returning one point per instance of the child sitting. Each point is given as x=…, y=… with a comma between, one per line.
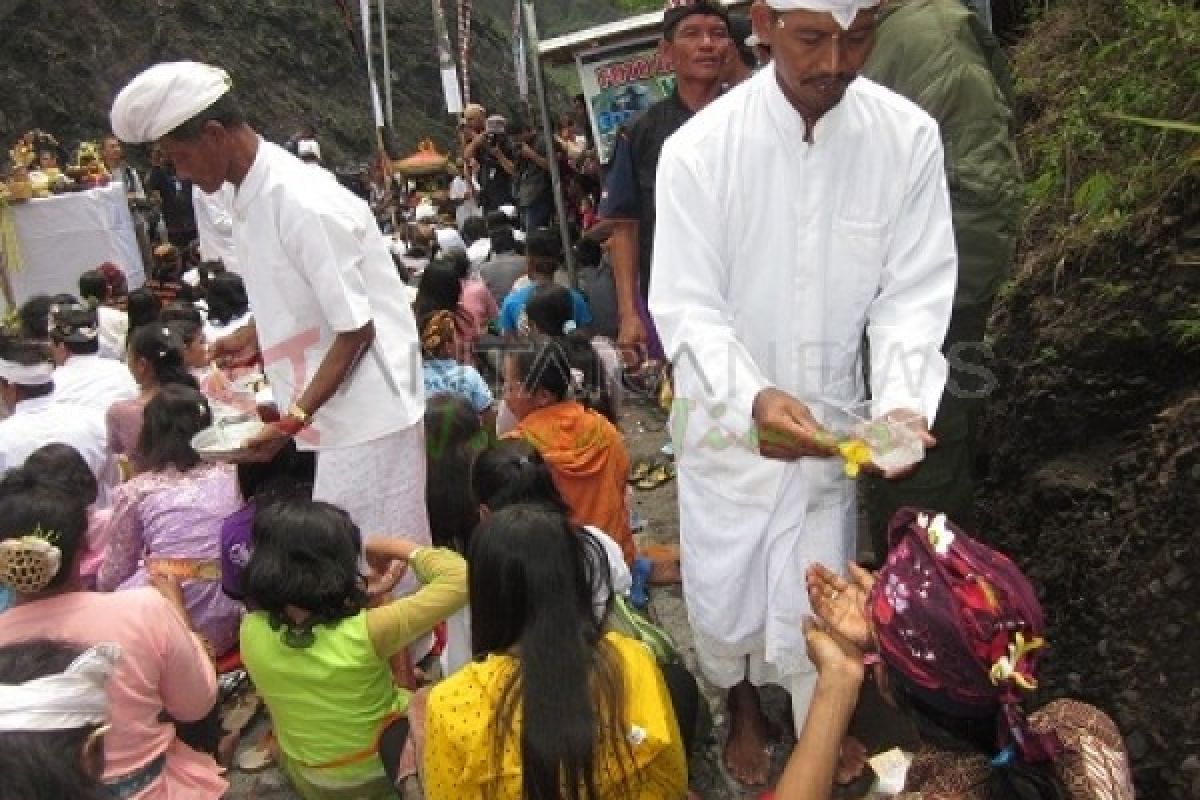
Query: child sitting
x=542, y=256
x=442, y=373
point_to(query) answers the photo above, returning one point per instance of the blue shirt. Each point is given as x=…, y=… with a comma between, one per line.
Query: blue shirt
x=447, y=375
x=513, y=309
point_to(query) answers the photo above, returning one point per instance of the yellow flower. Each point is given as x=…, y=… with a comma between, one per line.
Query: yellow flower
x=856, y=453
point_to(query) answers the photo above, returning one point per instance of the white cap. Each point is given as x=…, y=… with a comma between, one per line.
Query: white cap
x=425, y=213
x=844, y=11
x=308, y=147
x=449, y=239
x=164, y=97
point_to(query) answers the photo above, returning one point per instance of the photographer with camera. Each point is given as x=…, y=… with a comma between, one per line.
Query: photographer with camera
x=533, y=188
x=494, y=152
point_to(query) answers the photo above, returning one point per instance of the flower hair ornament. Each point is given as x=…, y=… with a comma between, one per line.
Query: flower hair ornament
x=28, y=564
x=438, y=330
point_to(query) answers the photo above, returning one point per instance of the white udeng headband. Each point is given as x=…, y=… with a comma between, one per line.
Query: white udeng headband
x=72, y=699
x=843, y=11
x=22, y=375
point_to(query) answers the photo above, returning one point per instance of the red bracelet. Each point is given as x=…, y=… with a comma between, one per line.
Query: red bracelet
x=290, y=425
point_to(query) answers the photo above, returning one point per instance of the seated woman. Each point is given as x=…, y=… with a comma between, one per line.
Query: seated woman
x=319, y=657
x=550, y=700
x=561, y=413
x=167, y=519
x=442, y=373
x=156, y=359
x=185, y=321
x=228, y=306
x=61, y=467
x=53, y=718
x=955, y=633
x=163, y=667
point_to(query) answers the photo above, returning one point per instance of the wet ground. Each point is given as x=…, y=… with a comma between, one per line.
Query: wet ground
x=875, y=725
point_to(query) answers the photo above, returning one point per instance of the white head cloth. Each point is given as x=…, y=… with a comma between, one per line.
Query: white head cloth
x=425, y=213
x=22, y=375
x=450, y=239
x=72, y=699
x=844, y=11
x=308, y=147
x=164, y=97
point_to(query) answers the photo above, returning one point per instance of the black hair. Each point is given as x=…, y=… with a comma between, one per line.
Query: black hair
x=162, y=348
x=61, y=466
x=306, y=555
x=502, y=239
x=225, y=111
x=144, y=308
x=497, y=219
x=673, y=17
x=459, y=259
x=547, y=363
x=227, y=298
x=512, y=471
x=588, y=253
x=550, y=308
x=68, y=324
x=93, y=287
x=473, y=229
x=544, y=243
x=172, y=417
x=28, y=353
x=183, y=320
x=28, y=503
x=440, y=288
x=34, y=317
x=290, y=473
x=531, y=582
x=453, y=438
x=740, y=29
x=38, y=765
x=1016, y=779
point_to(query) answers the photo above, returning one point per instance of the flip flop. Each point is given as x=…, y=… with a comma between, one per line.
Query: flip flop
x=640, y=470
x=661, y=474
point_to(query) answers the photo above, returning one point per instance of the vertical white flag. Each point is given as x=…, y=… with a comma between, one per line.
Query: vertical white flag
x=376, y=106
x=454, y=101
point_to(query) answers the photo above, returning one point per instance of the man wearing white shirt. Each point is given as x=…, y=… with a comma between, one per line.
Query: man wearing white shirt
x=801, y=211
x=27, y=389
x=84, y=377
x=214, y=225
x=331, y=321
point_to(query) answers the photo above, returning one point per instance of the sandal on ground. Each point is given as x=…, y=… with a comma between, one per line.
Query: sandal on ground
x=661, y=474
x=640, y=470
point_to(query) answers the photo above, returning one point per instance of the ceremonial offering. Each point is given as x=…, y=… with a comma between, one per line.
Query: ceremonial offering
x=426, y=161
x=226, y=441
x=889, y=444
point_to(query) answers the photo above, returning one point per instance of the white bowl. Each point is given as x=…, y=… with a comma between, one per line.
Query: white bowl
x=225, y=441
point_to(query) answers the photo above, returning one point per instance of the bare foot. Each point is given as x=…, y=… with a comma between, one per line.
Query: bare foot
x=747, y=756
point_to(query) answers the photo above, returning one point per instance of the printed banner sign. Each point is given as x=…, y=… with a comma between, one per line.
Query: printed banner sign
x=621, y=82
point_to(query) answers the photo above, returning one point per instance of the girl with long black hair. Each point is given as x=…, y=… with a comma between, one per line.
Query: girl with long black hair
x=552, y=708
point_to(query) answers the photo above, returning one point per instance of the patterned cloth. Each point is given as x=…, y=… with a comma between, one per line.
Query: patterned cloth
x=1093, y=765
x=444, y=375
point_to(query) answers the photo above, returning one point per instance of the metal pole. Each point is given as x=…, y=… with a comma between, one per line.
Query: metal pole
x=387, y=64
x=560, y=205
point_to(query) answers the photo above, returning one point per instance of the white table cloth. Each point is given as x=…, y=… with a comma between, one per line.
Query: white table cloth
x=63, y=236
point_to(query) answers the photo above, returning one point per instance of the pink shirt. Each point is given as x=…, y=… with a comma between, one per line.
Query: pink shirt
x=478, y=302
x=162, y=667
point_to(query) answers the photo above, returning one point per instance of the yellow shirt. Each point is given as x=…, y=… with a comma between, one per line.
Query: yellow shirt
x=458, y=732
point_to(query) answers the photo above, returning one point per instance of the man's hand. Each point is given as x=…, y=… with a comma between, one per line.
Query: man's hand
x=265, y=446
x=238, y=349
x=631, y=339
x=787, y=430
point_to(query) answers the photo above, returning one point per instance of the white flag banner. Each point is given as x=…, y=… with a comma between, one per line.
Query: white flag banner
x=450, y=85
x=520, y=64
x=376, y=106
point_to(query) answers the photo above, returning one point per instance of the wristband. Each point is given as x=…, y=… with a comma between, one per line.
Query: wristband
x=290, y=425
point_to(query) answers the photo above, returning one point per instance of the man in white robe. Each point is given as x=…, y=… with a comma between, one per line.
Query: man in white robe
x=331, y=320
x=84, y=377
x=797, y=213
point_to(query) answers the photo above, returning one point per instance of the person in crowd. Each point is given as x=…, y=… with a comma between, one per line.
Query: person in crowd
x=532, y=191
x=83, y=377
x=955, y=637
x=476, y=301
x=33, y=317
x=938, y=54
x=867, y=255
x=332, y=323
x=144, y=308
x=172, y=193
x=493, y=150
x=501, y=271
x=27, y=391
x=551, y=389
x=551, y=312
x=156, y=359
x=440, y=289
x=311, y=621
x=543, y=256
x=185, y=321
x=54, y=716
x=118, y=284
x=228, y=306
x=60, y=466
x=112, y=322
x=166, y=520
x=140, y=206
x=166, y=276
x=474, y=233
x=550, y=700
x=740, y=60
x=442, y=373
x=163, y=673
x=695, y=37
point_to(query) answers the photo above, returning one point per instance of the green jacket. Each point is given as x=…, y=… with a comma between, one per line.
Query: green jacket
x=937, y=54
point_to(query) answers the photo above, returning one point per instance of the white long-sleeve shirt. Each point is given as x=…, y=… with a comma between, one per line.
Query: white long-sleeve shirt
x=214, y=225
